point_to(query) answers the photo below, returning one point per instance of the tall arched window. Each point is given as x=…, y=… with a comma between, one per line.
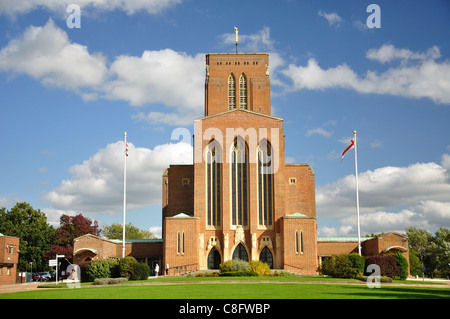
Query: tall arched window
x=231, y=92
x=213, y=180
x=239, y=185
x=265, y=184
x=243, y=92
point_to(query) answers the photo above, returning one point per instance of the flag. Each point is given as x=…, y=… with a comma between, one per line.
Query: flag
x=126, y=148
x=349, y=147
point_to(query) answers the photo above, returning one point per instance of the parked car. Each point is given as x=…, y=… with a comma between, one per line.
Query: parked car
x=36, y=277
x=45, y=276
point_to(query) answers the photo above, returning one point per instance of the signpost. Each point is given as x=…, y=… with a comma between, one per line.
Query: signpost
x=56, y=263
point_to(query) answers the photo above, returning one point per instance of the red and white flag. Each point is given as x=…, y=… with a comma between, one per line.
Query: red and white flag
x=126, y=148
x=349, y=147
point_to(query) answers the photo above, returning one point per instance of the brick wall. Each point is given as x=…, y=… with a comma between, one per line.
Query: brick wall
x=220, y=66
x=9, y=257
x=298, y=257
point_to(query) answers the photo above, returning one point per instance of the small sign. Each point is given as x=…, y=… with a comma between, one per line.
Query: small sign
x=52, y=262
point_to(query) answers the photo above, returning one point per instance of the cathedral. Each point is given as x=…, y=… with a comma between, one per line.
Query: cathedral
x=239, y=199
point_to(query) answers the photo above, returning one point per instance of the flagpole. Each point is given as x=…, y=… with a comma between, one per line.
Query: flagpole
x=357, y=195
x=124, y=194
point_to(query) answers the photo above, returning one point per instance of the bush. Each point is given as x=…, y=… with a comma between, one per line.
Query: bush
x=339, y=266
x=109, y=281
x=237, y=267
x=259, y=267
x=140, y=271
x=388, y=265
x=381, y=278
x=234, y=265
x=103, y=268
x=126, y=266
x=403, y=264
x=240, y=273
x=358, y=264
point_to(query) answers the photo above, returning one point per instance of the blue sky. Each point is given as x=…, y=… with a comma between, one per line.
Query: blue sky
x=68, y=95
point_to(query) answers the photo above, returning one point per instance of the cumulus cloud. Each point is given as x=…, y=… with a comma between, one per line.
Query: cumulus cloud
x=391, y=198
x=96, y=185
x=46, y=53
x=130, y=7
x=174, y=79
x=422, y=77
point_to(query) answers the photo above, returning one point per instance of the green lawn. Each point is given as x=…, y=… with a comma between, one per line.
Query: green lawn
x=248, y=288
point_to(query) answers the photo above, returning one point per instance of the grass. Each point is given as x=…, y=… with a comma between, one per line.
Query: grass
x=236, y=288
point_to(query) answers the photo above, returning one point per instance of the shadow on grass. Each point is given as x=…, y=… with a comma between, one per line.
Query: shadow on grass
x=392, y=292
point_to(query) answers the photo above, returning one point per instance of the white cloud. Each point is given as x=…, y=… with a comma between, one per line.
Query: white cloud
x=97, y=184
x=171, y=78
x=255, y=42
x=422, y=77
x=391, y=198
x=319, y=131
x=130, y=7
x=46, y=53
x=387, y=53
x=332, y=17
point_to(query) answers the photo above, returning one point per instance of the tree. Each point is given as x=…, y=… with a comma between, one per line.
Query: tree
x=433, y=252
x=115, y=231
x=35, y=234
x=419, y=240
x=441, y=252
x=70, y=228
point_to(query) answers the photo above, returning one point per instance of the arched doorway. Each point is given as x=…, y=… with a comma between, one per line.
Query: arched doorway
x=214, y=259
x=266, y=256
x=240, y=253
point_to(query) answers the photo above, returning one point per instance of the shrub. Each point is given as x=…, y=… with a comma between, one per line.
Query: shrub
x=338, y=266
x=226, y=266
x=234, y=265
x=259, y=267
x=103, y=268
x=237, y=267
x=381, y=278
x=126, y=266
x=240, y=273
x=141, y=271
x=403, y=264
x=388, y=265
x=109, y=281
x=358, y=264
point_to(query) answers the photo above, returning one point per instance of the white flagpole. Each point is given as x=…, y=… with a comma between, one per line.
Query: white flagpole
x=124, y=194
x=357, y=195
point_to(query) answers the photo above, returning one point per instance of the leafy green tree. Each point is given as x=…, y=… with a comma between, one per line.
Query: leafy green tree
x=414, y=263
x=441, y=252
x=433, y=252
x=419, y=240
x=36, y=235
x=115, y=231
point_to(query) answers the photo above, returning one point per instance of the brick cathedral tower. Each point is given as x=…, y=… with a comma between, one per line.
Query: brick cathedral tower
x=239, y=199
